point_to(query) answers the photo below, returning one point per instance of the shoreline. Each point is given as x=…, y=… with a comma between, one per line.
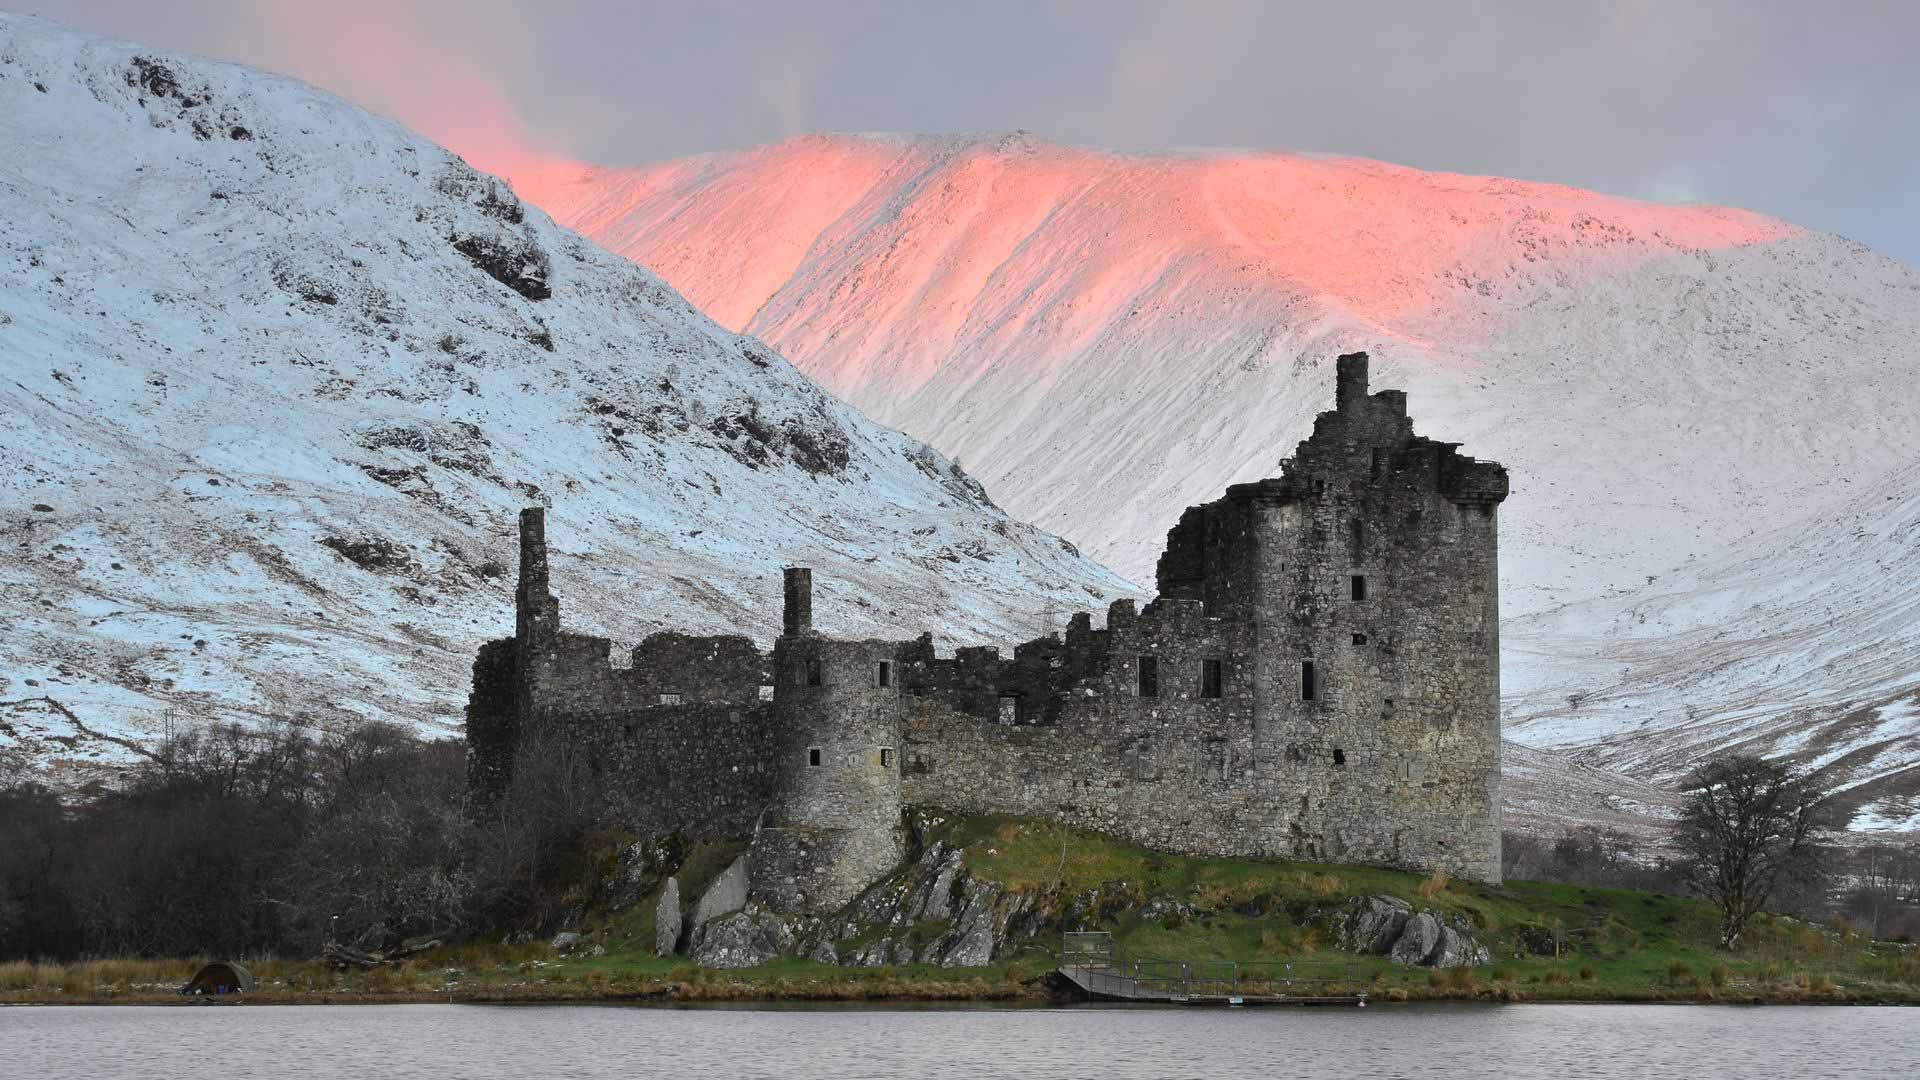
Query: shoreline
x=679, y=996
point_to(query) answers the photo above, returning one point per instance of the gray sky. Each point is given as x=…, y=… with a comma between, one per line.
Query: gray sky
x=1809, y=111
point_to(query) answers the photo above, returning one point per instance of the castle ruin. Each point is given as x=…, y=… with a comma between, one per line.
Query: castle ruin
x=1318, y=678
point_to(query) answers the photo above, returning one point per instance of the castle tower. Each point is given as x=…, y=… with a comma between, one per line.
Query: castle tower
x=834, y=824
x=1368, y=573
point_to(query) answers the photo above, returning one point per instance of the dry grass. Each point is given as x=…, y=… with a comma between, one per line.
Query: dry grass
x=1435, y=884
x=89, y=978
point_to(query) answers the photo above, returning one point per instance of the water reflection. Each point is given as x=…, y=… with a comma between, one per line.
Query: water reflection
x=1564, y=1042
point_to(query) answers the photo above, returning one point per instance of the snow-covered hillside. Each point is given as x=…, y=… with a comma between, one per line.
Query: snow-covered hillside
x=1803, y=644
x=278, y=375
x=1105, y=339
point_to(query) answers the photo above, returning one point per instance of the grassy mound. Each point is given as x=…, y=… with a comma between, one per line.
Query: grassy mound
x=1614, y=945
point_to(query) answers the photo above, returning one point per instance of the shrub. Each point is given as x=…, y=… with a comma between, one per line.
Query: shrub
x=1586, y=973
x=1678, y=971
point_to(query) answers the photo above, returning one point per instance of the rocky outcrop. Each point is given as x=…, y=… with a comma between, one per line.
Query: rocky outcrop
x=932, y=911
x=745, y=938
x=666, y=919
x=728, y=892
x=1374, y=923
x=1388, y=926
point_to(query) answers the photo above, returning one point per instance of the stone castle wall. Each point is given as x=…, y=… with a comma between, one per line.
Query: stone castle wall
x=1318, y=679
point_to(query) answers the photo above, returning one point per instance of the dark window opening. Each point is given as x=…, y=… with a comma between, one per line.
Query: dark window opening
x=886, y=673
x=1359, y=586
x=1010, y=710
x=1308, y=684
x=813, y=757
x=1148, y=668
x=1209, y=678
x=1339, y=757
x=886, y=757
x=1359, y=639
x=813, y=671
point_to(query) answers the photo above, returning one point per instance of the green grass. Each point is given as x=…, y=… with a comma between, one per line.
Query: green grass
x=1622, y=945
x=1630, y=945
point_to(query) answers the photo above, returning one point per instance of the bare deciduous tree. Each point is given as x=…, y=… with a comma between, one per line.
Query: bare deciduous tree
x=1748, y=828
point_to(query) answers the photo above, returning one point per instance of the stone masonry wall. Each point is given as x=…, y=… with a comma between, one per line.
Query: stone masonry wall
x=1318, y=679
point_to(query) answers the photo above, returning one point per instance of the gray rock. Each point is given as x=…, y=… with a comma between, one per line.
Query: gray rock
x=727, y=893
x=565, y=943
x=1457, y=949
x=597, y=950
x=1373, y=923
x=822, y=952
x=742, y=939
x=666, y=919
x=1418, y=941
x=970, y=943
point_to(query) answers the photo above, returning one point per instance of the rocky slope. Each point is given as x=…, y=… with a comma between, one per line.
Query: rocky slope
x=278, y=374
x=1681, y=394
x=942, y=908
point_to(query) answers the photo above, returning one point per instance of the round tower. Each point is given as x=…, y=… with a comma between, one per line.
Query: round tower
x=834, y=824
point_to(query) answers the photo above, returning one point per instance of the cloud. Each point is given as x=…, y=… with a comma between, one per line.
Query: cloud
x=1808, y=112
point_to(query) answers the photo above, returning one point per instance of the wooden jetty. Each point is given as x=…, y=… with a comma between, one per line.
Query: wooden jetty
x=1090, y=962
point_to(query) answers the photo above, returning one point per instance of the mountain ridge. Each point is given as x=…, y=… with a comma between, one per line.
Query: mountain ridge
x=279, y=375
x=1106, y=339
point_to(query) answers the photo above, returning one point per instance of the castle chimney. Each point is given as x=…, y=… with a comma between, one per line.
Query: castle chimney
x=799, y=606
x=1350, y=389
x=534, y=606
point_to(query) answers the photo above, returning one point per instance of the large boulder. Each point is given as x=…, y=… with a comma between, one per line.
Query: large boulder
x=727, y=893
x=1457, y=949
x=1374, y=923
x=666, y=919
x=565, y=943
x=742, y=939
x=1418, y=940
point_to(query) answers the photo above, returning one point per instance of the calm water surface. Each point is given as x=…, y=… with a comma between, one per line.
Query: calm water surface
x=1561, y=1042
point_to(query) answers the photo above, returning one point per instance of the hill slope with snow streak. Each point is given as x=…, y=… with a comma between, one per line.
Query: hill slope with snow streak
x=1105, y=339
x=1803, y=645
x=278, y=375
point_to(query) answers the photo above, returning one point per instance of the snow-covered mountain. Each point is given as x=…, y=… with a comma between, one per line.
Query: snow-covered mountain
x=278, y=375
x=1804, y=644
x=1105, y=339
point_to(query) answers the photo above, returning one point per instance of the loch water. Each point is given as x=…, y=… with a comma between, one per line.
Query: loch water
x=1562, y=1042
